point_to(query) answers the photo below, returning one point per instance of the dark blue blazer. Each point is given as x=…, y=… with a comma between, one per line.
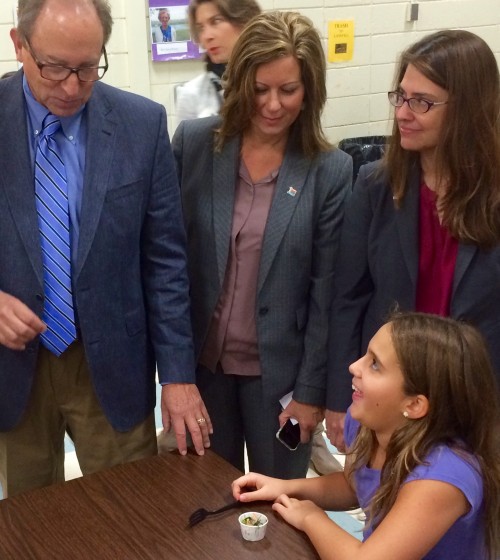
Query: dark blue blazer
x=130, y=280
x=378, y=270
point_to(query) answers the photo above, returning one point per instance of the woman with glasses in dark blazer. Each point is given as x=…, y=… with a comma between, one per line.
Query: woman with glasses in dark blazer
x=422, y=228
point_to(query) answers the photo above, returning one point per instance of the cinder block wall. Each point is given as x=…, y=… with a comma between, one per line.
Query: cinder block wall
x=357, y=103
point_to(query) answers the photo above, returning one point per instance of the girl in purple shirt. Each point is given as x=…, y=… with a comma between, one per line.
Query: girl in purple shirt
x=423, y=452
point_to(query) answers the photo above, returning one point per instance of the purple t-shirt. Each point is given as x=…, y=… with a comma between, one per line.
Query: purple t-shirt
x=464, y=540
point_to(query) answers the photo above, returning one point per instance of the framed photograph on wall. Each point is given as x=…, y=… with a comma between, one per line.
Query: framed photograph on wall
x=169, y=28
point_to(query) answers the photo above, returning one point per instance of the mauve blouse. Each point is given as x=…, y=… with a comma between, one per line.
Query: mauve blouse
x=232, y=336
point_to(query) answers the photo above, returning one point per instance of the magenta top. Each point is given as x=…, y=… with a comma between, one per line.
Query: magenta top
x=437, y=258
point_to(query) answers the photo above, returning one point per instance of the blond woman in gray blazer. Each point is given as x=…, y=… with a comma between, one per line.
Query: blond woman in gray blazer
x=263, y=193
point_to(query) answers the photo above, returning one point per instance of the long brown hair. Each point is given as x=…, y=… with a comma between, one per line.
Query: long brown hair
x=267, y=37
x=468, y=153
x=446, y=361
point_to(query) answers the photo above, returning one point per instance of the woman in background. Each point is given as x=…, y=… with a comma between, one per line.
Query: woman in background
x=422, y=228
x=215, y=25
x=263, y=195
x=423, y=435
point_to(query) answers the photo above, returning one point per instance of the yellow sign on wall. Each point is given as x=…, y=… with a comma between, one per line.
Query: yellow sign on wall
x=340, y=40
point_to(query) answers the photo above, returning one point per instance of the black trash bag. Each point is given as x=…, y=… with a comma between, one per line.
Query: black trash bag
x=363, y=150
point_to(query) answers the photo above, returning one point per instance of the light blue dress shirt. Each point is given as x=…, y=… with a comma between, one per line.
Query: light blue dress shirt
x=71, y=140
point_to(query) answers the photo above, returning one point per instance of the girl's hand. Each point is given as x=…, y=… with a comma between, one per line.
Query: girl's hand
x=253, y=486
x=296, y=511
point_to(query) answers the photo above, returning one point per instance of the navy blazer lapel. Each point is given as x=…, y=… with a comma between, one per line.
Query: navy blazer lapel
x=291, y=181
x=407, y=217
x=100, y=141
x=17, y=176
x=464, y=258
x=408, y=226
x=225, y=175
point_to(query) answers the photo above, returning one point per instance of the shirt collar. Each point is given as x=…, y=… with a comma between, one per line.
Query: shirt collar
x=70, y=125
x=245, y=175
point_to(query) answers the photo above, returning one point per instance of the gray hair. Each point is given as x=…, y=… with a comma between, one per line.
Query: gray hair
x=29, y=10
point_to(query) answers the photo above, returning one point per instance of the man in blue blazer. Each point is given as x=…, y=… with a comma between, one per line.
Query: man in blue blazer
x=127, y=253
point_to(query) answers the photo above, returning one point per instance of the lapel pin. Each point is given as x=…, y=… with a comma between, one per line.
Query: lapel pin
x=291, y=191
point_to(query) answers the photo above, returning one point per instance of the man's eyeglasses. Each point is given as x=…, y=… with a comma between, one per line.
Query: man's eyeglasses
x=58, y=73
x=416, y=104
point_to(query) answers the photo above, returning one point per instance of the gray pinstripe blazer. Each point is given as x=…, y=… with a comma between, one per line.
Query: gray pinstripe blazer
x=298, y=253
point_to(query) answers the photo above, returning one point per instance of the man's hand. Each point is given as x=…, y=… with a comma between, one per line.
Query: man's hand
x=18, y=324
x=181, y=406
x=308, y=416
x=335, y=429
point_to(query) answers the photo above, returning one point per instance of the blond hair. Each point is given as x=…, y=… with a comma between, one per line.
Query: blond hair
x=267, y=37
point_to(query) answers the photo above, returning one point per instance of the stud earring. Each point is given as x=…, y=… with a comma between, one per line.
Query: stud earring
x=405, y=414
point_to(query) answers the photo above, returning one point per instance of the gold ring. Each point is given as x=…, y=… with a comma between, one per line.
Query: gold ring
x=201, y=420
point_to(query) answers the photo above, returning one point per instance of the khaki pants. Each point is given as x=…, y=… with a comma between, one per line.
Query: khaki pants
x=63, y=399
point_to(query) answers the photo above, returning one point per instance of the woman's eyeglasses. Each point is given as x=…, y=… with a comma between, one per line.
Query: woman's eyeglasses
x=416, y=104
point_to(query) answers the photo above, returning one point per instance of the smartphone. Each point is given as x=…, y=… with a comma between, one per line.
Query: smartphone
x=289, y=435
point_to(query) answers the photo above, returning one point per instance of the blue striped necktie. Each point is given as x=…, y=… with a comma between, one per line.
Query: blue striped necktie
x=51, y=189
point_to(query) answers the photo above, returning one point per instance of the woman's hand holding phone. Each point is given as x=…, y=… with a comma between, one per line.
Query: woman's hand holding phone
x=299, y=421
x=289, y=434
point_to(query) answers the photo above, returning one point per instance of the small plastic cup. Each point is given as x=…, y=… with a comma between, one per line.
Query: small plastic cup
x=253, y=525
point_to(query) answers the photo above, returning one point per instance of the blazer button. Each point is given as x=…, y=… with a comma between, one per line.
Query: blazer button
x=263, y=311
x=39, y=297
